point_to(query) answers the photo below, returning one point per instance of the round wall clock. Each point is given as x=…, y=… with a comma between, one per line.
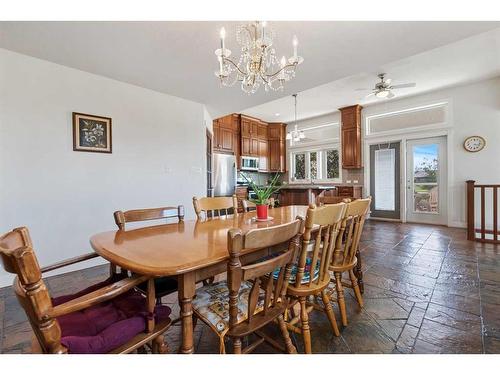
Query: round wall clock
x=474, y=143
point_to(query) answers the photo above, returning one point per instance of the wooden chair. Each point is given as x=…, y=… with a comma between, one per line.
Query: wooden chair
x=312, y=276
x=66, y=324
x=344, y=258
x=163, y=285
x=250, y=206
x=254, y=294
x=211, y=207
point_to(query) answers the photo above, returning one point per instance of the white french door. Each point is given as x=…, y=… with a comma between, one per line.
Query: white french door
x=426, y=183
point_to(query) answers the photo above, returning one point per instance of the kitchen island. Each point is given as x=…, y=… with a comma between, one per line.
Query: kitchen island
x=304, y=194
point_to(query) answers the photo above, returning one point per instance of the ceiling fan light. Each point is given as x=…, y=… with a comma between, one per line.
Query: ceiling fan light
x=382, y=94
x=302, y=135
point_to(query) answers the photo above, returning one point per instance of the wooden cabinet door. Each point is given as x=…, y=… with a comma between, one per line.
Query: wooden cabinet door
x=254, y=129
x=245, y=146
x=345, y=191
x=274, y=132
x=254, y=147
x=263, y=156
x=262, y=131
x=274, y=156
x=227, y=140
x=351, y=136
x=245, y=127
x=351, y=148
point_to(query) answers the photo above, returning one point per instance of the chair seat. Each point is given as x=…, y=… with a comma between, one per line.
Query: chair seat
x=163, y=286
x=107, y=326
x=211, y=304
x=339, y=267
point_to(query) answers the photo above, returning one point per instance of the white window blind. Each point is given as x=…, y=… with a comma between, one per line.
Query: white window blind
x=385, y=187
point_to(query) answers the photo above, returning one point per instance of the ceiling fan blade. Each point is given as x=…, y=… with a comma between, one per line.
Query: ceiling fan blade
x=370, y=94
x=390, y=95
x=361, y=89
x=403, y=85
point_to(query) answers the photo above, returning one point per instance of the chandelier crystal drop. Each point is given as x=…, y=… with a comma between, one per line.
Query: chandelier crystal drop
x=295, y=135
x=257, y=65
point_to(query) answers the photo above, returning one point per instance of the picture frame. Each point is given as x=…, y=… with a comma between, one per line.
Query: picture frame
x=92, y=133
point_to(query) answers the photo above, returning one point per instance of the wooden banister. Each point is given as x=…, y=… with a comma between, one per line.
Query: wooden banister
x=493, y=236
x=470, y=210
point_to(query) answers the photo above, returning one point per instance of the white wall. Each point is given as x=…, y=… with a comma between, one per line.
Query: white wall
x=475, y=110
x=63, y=196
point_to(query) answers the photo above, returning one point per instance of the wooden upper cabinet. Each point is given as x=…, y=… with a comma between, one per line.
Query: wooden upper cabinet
x=254, y=128
x=226, y=134
x=251, y=131
x=262, y=131
x=351, y=137
x=254, y=147
x=243, y=135
x=277, y=139
x=245, y=127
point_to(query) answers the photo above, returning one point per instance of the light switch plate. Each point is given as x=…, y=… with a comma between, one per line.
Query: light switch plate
x=355, y=181
x=348, y=181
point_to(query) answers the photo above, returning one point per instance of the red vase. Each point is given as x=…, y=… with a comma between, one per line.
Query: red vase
x=262, y=211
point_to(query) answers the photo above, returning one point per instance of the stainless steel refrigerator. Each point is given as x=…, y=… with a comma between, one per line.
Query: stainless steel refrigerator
x=224, y=175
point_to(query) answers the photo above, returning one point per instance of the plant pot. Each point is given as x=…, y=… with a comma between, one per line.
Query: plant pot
x=262, y=211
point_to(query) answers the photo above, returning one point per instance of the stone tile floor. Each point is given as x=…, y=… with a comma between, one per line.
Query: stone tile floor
x=427, y=290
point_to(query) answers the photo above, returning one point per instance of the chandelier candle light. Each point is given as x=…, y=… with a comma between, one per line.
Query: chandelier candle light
x=258, y=64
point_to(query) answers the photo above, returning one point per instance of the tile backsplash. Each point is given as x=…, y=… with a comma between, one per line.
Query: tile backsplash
x=352, y=175
x=261, y=178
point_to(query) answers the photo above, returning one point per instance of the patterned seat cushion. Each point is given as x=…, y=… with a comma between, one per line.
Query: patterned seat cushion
x=211, y=304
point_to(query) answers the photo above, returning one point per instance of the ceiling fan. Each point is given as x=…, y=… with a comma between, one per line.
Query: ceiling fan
x=383, y=89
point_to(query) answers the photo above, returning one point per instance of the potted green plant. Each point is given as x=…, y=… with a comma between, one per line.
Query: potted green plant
x=263, y=194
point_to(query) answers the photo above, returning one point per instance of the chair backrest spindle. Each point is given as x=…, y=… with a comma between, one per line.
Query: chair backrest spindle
x=211, y=207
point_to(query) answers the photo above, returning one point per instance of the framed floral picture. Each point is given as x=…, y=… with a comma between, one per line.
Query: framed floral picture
x=91, y=133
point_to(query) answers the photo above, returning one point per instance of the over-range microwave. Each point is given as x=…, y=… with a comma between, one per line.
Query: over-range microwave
x=249, y=163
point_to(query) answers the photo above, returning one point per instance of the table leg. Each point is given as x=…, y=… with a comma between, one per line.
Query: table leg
x=186, y=294
x=359, y=273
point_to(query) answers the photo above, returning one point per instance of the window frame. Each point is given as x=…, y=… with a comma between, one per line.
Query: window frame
x=322, y=164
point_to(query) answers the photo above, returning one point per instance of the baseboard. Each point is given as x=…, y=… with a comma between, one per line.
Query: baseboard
x=385, y=219
x=458, y=224
x=6, y=279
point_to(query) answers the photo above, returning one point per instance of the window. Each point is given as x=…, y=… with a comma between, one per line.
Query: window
x=332, y=164
x=300, y=166
x=313, y=162
x=318, y=165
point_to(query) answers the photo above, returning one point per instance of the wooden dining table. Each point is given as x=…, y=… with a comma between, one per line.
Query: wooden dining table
x=191, y=250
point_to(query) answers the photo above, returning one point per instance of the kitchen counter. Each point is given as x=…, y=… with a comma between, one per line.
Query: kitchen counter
x=317, y=186
x=300, y=194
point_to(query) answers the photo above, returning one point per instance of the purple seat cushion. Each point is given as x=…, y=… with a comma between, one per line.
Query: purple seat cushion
x=104, y=327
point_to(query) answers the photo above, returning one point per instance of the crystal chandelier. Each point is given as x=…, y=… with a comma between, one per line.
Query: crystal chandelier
x=295, y=135
x=258, y=64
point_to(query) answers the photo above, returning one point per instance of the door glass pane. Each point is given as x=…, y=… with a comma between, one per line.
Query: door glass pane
x=332, y=164
x=425, y=178
x=313, y=159
x=385, y=175
x=300, y=166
